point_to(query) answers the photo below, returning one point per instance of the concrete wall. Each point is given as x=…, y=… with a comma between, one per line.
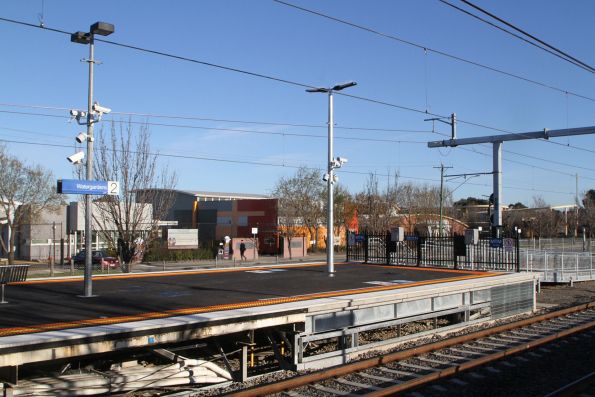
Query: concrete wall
x=298, y=247
x=251, y=249
x=40, y=240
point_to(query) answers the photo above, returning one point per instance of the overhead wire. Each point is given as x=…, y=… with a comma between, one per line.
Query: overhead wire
x=261, y=163
x=291, y=82
x=321, y=136
x=376, y=101
x=568, y=57
x=427, y=48
x=187, y=117
x=564, y=58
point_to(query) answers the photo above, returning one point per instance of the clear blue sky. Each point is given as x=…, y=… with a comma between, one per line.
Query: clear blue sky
x=43, y=68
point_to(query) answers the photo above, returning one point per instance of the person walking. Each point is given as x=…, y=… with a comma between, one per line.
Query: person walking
x=242, y=251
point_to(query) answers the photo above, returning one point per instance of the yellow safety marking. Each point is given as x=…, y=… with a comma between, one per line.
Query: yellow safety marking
x=161, y=274
x=433, y=269
x=221, y=307
x=231, y=270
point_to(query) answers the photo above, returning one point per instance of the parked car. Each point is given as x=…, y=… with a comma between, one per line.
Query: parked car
x=100, y=259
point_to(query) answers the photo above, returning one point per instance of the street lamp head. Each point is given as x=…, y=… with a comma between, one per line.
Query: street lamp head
x=319, y=89
x=102, y=28
x=340, y=87
x=80, y=37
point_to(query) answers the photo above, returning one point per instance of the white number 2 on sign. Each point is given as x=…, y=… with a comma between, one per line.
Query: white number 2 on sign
x=113, y=188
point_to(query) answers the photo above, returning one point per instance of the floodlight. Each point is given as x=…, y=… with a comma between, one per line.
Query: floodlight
x=102, y=28
x=340, y=87
x=80, y=37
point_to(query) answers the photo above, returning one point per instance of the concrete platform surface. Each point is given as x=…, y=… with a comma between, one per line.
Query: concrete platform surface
x=48, y=305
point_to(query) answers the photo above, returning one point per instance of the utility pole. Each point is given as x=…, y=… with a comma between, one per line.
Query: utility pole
x=442, y=168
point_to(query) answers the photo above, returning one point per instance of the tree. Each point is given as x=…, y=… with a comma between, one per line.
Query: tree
x=546, y=222
x=146, y=190
x=420, y=203
x=374, y=208
x=470, y=201
x=588, y=212
x=25, y=192
x=300, y=202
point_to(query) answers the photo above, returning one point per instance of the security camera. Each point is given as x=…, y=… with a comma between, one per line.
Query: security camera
x=342, y=160
x=325, y=177
x=82, y=137
x=100, y=109
x=76, y=158
x=77, y=113
x=335, y=178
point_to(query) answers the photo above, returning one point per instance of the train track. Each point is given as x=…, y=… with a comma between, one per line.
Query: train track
x=396, y=372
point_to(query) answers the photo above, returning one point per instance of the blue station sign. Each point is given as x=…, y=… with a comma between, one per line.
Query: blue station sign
x=496, y=243
x=81, y=186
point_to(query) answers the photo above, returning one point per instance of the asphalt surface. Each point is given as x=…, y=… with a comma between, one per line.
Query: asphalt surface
x=48, y=302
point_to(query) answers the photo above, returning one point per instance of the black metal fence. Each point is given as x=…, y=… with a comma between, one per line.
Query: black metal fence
x=451, y=252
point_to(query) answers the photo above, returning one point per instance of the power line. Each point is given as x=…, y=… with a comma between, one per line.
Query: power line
x=518, y=36
x=426, y=48
x=322, y=136
x=380, y=102
x=238, y=130
x=564, y=54
x=186, y=117
x=259, y=163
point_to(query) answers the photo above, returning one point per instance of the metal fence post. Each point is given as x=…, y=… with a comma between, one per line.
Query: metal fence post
x=347, y=247
x=419, y=250
x=387, y=248
x=366, y=247
x=518, y=254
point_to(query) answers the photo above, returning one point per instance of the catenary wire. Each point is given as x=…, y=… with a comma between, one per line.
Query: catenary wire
x=321, y=136
x=288, y=81
x=262, y=163
x=238, y=130
x=186, y=117
x=570, y=57
x=423, y=47
x=558, y=55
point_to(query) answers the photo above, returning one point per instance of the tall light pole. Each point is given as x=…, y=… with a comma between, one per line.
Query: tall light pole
x=103, y=29
x=330, y=178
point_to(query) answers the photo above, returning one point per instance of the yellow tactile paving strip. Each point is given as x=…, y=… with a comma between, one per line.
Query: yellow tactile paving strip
x=231, y=306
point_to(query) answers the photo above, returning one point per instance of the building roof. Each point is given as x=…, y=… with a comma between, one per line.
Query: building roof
x=223, y=195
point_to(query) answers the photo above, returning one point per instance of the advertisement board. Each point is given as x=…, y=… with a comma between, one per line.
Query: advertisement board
x=182, y=239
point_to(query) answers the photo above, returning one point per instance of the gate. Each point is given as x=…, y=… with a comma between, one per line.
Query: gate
x=451, y=252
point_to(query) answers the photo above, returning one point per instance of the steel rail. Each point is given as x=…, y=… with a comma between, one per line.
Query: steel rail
x=346, y=369
x=445, y=373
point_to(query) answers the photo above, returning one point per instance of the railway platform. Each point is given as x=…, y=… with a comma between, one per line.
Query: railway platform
x=47, y=320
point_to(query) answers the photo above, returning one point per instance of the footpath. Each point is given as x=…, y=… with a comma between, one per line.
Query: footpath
x=37, y=269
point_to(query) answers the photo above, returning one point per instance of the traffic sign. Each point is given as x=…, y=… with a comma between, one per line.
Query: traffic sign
x=82, y=186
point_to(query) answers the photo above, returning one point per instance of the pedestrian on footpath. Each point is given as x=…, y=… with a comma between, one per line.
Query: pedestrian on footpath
x=243, y=251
